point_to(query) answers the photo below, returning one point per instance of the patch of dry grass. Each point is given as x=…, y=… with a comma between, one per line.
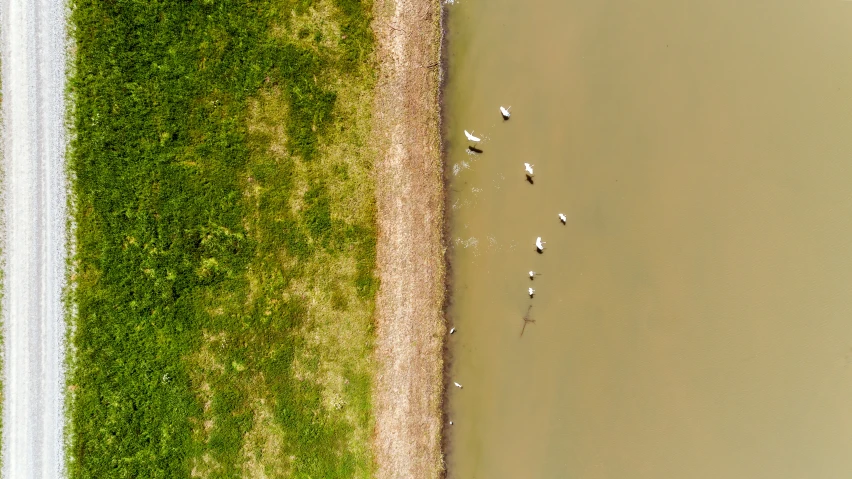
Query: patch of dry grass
x=332, y=353
x=410, y=199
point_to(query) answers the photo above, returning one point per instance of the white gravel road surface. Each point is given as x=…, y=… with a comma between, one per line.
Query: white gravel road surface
x=32, y=39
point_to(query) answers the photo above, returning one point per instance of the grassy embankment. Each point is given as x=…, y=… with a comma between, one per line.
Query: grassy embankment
x=225, y=239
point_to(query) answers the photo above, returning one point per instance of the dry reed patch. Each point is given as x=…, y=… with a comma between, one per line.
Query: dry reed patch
x=315, y=27
x=205, y=364
x=262, y=452
x=267, y=115
x=263, y=447
x=329, y=337
x=337, y=340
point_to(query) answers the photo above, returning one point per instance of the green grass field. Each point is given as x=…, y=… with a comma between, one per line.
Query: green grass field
x=225, y=239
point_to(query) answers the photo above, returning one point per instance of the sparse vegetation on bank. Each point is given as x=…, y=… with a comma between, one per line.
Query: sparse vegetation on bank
x=225, y=239
x=407, y=399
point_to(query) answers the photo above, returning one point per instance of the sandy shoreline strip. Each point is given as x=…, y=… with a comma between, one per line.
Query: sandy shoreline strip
x=410, y=206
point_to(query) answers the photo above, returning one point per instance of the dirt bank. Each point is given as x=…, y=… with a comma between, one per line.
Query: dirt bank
x=410, y=200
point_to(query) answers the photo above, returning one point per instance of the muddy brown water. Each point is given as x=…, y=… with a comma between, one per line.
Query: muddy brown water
x=693, y=319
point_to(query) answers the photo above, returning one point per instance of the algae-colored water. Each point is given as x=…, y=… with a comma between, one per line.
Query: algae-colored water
x=693, y=319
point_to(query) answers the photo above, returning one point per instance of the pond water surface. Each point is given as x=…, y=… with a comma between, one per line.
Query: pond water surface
x=693, y=318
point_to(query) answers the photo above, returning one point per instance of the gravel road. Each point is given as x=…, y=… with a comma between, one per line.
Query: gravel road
x=32, y=39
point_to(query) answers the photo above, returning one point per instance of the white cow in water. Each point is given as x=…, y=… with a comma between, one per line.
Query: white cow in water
x=539, y=244
x=529, y=169
x=505, y=112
